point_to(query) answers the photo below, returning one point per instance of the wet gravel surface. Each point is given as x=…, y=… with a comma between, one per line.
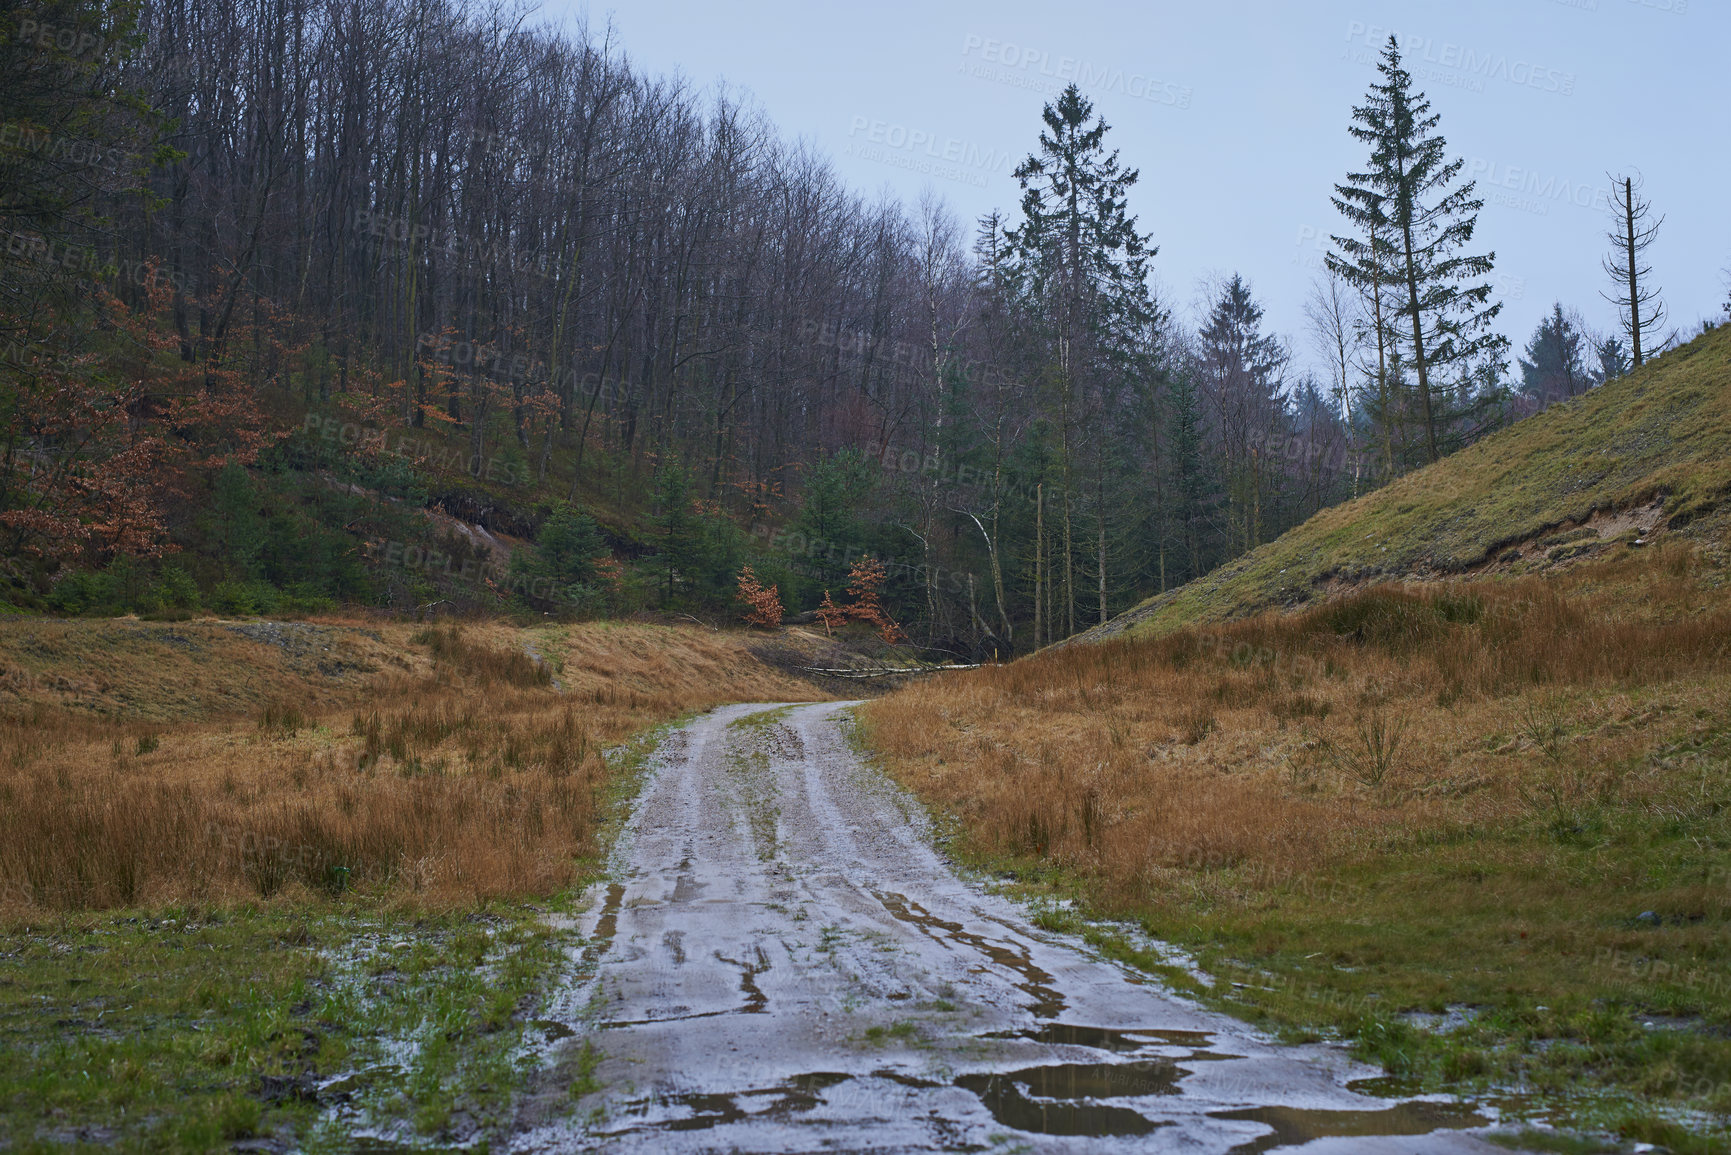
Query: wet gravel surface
x=784, y=963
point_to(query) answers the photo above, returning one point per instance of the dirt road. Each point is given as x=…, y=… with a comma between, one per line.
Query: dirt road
x=786, y=964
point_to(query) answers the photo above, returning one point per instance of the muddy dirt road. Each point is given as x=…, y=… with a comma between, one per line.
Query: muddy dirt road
x=786, y=964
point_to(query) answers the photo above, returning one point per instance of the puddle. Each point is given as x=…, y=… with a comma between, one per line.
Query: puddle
x=1296, y=1125
x=1056, y=1100
x=553, y=1030
x=800, y=1093
x=755, y=1000
x=1121, y=1041
x=1048, y=1002
x=344, y=1085
x=372, y=1145
x=607, y=925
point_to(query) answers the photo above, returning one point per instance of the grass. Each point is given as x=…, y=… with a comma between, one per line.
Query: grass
x=457, y=775
x=1400, y=802
x=120, y=1032
x=210, y=906
x=1661, y=433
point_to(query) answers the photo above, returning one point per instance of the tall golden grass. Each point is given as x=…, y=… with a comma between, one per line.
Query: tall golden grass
x=1269, y=748
x=461, y=774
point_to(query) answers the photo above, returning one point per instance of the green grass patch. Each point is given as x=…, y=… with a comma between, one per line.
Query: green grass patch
x=186, y=1030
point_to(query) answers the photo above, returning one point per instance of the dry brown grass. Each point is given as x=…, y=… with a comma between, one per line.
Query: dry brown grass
x=452, y=771
x=1276, y=747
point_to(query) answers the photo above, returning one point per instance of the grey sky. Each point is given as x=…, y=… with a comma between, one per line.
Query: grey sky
x=1236, y=114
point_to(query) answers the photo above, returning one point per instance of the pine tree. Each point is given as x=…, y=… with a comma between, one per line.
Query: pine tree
x=1081, y=267
x=1190, y=483
x=679, y=529
x=1613, y=360
x=1553, y=367
x=1240, y=372
x=568, y=547
x=1414, y=222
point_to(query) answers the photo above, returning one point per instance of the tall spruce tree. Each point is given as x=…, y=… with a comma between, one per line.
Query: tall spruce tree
x=1414, y=221
x=1240, y=370
x=1082, y=267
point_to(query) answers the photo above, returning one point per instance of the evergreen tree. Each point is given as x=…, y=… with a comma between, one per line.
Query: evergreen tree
x=1414, y=222
x=1613, y=360
x=1190, y=483
x=1081, y=267
x=676, y=522
x=240, y=528
x=567, y=547
x=1553, y=367
x=1239, y=370
x=831, y=533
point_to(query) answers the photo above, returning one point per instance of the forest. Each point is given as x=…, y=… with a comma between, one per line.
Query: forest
x=310, y=305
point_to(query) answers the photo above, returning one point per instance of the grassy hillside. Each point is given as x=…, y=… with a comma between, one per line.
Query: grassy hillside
x=1653, y=447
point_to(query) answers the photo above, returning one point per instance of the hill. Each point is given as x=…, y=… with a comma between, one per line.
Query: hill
x=1645, y=454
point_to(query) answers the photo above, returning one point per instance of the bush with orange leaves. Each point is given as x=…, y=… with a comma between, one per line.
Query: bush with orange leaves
x=763, y=602
x=831, y=615
x=864, y=601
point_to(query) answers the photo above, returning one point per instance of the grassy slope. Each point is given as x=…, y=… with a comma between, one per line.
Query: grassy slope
x=1663, y=431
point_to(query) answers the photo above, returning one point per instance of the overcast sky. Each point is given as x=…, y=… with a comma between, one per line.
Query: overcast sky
x=1236, y=111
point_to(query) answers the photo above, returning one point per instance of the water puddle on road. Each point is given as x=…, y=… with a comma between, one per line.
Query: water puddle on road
x=756, y=1002
x=1048, y=1001
x=607, y=925
x=698, y=1112
x=1297, y=1125
x=552, y=1029
x=1059, y=1099
x=1120, y=1041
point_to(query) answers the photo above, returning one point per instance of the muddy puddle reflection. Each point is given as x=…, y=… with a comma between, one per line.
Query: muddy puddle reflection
x=1297, y=1125
x=701, y=1112
x=1060, y=1099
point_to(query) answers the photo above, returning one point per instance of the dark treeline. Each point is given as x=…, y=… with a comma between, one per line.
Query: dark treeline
x=440, y=216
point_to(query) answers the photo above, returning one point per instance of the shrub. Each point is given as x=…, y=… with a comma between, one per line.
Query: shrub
x=763, y=603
